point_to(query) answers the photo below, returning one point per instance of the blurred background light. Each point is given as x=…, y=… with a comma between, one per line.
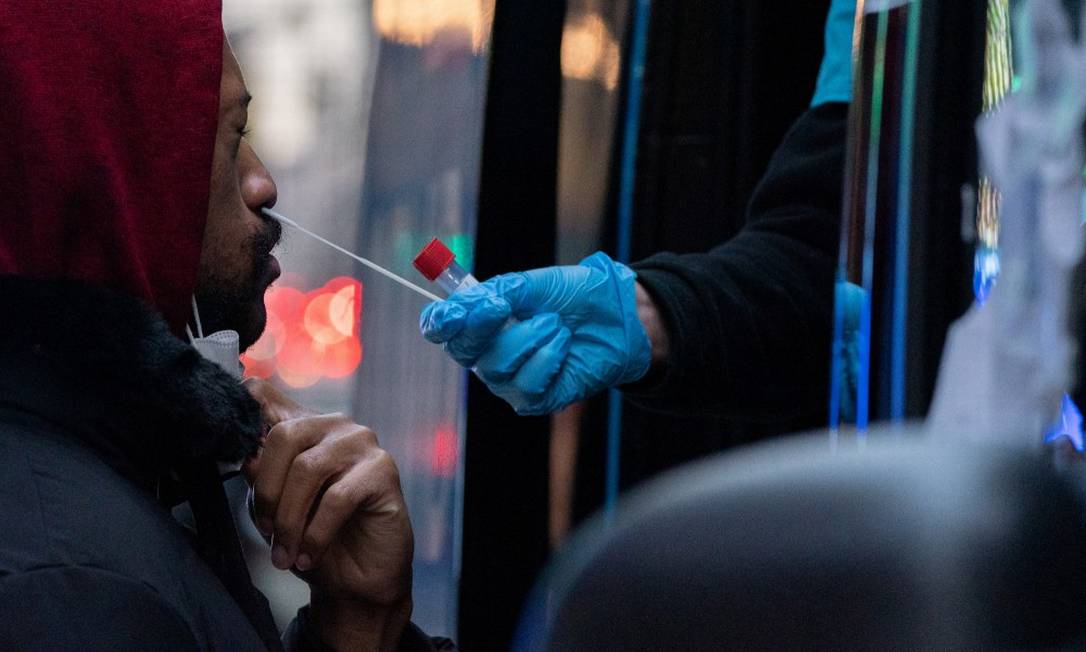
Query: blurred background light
x=309, y=336
x=422, y=22
x=590, y=52
x=445, y=454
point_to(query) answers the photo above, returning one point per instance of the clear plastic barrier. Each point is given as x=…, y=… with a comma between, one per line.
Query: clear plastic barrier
x=369, y=115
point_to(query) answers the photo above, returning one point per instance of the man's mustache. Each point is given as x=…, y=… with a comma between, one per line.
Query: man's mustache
x=268, y=238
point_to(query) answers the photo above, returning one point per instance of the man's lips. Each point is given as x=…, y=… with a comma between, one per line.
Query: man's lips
x=271, y=270
x=267, y=241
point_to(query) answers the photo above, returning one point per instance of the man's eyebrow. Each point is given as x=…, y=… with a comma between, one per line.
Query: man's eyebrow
x=245, y=99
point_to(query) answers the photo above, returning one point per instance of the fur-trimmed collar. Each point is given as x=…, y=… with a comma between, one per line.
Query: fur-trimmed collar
x=104, y=368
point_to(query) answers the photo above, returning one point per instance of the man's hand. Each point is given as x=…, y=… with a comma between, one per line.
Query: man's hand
x=330, y=499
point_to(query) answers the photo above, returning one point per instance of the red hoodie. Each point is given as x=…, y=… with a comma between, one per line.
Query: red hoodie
x=108, y=116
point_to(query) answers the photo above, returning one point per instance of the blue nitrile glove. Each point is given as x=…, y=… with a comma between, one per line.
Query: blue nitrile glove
x=576, y=333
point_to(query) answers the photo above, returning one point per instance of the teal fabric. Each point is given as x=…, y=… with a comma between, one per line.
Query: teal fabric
x=835, y=76
x=850, y=300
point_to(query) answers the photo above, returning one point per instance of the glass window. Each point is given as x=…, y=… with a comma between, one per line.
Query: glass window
x=592, y=59
x=369, y=115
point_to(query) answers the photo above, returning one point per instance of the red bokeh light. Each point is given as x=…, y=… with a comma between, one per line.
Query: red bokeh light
x=309, y=336
x=271, y=342
x=342, y=358
x=445, y=453
x=318, y=320
x=284, y=302
x=258, y=368
x=301, y=355
x=343, y=310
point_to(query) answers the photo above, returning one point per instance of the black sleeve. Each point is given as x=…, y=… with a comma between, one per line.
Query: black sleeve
x=751, y=320
x=87, y=609
x=300, y=637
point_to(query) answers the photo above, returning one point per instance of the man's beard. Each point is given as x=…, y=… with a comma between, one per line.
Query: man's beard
x=238, y=304
x=225, y=306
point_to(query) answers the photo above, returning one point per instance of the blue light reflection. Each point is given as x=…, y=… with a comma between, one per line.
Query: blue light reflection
x=985, y=273
x=1070, y=425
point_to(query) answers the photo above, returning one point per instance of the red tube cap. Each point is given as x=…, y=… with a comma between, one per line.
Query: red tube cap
x=434, y=259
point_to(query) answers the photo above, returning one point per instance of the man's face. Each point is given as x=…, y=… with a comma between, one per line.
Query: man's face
x=236, y=265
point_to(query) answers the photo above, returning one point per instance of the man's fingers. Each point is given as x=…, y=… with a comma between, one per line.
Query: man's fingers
x=268, y=474
x=372, y=485
x=275, y=406
x=310, y=471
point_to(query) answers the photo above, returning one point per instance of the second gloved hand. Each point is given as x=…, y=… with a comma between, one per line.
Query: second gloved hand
x=576, y=333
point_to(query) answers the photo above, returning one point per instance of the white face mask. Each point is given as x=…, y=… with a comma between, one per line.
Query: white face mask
x=223, y=348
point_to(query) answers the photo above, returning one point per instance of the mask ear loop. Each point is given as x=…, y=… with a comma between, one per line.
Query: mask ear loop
x=196, y=314
x=199, y=326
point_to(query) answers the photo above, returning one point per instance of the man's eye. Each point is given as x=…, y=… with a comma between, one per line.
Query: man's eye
x=244, y=131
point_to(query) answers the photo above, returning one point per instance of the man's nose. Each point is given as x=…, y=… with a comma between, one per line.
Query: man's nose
x=258, y=189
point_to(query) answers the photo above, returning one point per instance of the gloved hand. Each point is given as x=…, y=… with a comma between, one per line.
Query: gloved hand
x=576, y=333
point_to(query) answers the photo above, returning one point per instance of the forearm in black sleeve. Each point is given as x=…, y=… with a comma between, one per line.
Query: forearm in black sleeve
x=750, y=321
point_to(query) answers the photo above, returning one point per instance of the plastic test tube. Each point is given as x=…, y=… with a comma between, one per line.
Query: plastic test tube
x=438, y=264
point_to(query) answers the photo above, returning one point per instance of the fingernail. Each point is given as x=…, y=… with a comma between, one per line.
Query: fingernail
x=280, y=557
x=304, y=562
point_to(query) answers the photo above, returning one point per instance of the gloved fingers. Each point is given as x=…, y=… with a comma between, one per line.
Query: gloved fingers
x=528, y=392
x=440, y=321
x=515, y=289
x=565, y=390
x=569, y=290
x=538, y=291
x=538, y=373
x=514, y=346
x=483, y=321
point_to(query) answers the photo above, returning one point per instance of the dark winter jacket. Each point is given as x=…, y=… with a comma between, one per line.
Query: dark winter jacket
x=751, y=319
x=106, y=421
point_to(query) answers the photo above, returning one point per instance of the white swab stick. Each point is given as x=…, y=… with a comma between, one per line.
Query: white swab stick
x=372, y=265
